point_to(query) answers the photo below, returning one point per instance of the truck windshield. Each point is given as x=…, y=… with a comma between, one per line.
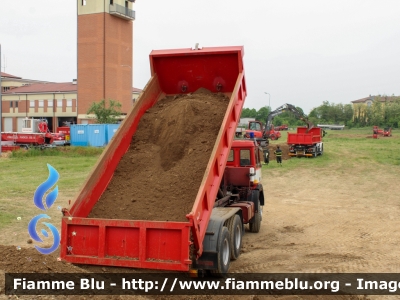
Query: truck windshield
x=255, y=126
x=245, y=158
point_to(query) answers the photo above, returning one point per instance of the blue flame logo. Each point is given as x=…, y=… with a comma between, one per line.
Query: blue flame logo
x=38, y=201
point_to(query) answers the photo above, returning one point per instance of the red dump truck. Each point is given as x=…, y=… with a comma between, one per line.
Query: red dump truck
x=230, y=193
x=34, y=133
x=306, y=142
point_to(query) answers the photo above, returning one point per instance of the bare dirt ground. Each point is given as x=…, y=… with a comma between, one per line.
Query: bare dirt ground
x=332, y=221
x=329, y=222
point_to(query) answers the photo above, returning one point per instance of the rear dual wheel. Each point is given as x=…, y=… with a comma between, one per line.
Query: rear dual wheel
x=235, y=228
x=229, y=244
x=224, y=253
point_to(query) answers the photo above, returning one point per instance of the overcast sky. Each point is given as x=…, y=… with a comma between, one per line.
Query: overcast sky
x=301, y=52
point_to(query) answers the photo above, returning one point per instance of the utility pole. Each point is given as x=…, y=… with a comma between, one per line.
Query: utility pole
x=269, y=100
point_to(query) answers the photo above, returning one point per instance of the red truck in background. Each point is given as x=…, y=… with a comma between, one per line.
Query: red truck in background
x=62, y=137
x=35, y=133
x=306, y=142
x=282, y=127
x=387, y=131
x=230, y=195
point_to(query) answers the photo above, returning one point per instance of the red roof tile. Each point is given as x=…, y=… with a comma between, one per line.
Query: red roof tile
x=62, y=87
x=44, y=88
x=9, y=75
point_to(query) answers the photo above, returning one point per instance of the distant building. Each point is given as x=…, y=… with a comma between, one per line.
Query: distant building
x=105, y=65
x=360, y=106
x=54, y=101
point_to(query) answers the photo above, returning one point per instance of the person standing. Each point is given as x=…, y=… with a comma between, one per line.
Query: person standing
x=278, y=154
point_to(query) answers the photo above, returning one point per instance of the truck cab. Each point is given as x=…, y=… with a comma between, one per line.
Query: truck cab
x=244, y=159
x=257, y=128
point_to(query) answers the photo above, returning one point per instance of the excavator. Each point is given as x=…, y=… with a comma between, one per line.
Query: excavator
x=257, y=130
x=264, y=134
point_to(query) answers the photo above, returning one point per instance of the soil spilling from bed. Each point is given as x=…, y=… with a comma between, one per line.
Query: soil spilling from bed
x=159, y=176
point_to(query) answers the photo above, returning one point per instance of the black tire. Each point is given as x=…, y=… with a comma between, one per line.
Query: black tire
x=235, y=228
x=256, y=224
x=223, y=253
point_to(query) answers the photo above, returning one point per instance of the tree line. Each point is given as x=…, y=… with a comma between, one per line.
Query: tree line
x=380, y=112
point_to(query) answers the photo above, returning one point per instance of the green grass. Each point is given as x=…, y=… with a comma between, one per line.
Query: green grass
x=24, y=171
x=345, y=149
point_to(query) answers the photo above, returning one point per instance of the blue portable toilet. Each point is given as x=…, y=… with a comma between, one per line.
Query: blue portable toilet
x=111, y=129
x=97, y=135
x=79, y=135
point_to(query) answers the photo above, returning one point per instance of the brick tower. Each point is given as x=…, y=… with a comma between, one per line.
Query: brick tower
x=104, y=53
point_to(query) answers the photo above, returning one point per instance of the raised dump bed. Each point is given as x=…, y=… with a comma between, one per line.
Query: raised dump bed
x=145, y=241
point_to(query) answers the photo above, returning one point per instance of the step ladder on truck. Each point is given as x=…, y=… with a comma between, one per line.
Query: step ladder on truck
x=230, y=194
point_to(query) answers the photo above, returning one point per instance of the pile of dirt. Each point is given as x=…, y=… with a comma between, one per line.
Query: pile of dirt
x=284, y=148
x=29, y=260
x=159, y=176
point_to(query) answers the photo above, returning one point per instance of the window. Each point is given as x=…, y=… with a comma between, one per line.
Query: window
x=230, y=156
x=255, y=126
x=245, y=158
x=256, y=154
x=32, y=103
x=83, y=2
x=11, y=104
x=49, y=103
x=6, y=88
x=27, y=124
x=111, y=2
x=69, y=102
x=59, y=103
x=369, y=103
x=16, y=104
x=40, y=103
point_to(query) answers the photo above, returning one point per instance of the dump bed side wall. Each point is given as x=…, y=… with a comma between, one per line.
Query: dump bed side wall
x=103, y=171
x=305, y=136
x=208, y=191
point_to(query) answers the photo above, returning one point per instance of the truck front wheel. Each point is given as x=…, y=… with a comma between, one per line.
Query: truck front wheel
x=235, y=231
x=256, y=224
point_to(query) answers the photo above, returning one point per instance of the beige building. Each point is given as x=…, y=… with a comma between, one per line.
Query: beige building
x=360, y=106
x=56, y=102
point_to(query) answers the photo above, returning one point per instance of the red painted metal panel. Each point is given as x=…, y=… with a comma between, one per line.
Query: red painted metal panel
x=165, y=245
x=304, y=136
x=237, y=176
x=83, y=240
x=247, y=208
x=162, y=245
x=23, y=138
x=122, y=242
